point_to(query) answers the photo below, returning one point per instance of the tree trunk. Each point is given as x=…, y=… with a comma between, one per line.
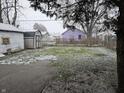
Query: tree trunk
x=15, y=13
x=7, y=12
x=120, y=49
x=1, y=21
x=89, y=37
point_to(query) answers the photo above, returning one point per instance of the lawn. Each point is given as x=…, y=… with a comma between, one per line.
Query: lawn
x=82, y=70
x=63, y=51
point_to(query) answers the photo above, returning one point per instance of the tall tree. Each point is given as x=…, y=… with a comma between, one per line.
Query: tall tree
x=120, y=44
x=120, y=49
x=88, y=14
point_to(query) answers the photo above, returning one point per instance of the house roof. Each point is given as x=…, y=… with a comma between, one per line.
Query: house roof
x=72, y=30
x=9, y=28
x=29, y=34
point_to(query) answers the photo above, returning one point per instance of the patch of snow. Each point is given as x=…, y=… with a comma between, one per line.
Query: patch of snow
x=2, y=55
x=29, y=30
x=47, y=57
x=22, y=59
x=3, y=90
x=9, y=27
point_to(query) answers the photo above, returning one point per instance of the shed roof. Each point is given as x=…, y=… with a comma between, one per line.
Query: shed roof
x=9, y=28
x=29, y=34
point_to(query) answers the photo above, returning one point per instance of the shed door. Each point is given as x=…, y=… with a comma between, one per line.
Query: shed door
x=37, y=41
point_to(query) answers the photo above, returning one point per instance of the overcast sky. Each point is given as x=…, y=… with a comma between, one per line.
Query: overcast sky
x=53, y=27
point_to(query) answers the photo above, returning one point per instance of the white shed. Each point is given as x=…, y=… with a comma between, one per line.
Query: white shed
x=32, y=39
x=11, y=38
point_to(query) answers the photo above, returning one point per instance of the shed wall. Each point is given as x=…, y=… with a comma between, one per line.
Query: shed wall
x=29, y=42
x=16, y=41
x=32, y=39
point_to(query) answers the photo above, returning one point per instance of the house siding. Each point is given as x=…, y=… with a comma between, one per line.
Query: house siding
x=73, y=34
x=16, y=41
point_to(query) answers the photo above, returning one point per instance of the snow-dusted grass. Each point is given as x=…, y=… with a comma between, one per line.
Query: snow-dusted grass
x=70, y=51
x=63, y=51
x=83, y=70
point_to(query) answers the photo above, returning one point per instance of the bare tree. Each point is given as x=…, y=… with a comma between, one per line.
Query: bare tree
x=10, y=10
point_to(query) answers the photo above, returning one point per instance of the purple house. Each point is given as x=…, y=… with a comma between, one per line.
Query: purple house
x=73, y=34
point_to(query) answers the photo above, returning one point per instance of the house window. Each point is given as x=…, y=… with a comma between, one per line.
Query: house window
x=79, y=37
x=5, y=41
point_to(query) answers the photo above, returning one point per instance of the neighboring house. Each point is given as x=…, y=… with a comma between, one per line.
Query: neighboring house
x=32, y=39
x=73, y=34
x=11, y=38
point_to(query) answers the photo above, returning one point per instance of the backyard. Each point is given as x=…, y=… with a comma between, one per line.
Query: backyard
x=59, y=70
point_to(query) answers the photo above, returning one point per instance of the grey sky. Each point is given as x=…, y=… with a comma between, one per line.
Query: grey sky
x=53, y=27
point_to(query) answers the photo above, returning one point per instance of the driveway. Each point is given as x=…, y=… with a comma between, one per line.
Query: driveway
x=24, y=78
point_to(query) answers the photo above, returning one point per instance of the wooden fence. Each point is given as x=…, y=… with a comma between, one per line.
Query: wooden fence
x=109, y=43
